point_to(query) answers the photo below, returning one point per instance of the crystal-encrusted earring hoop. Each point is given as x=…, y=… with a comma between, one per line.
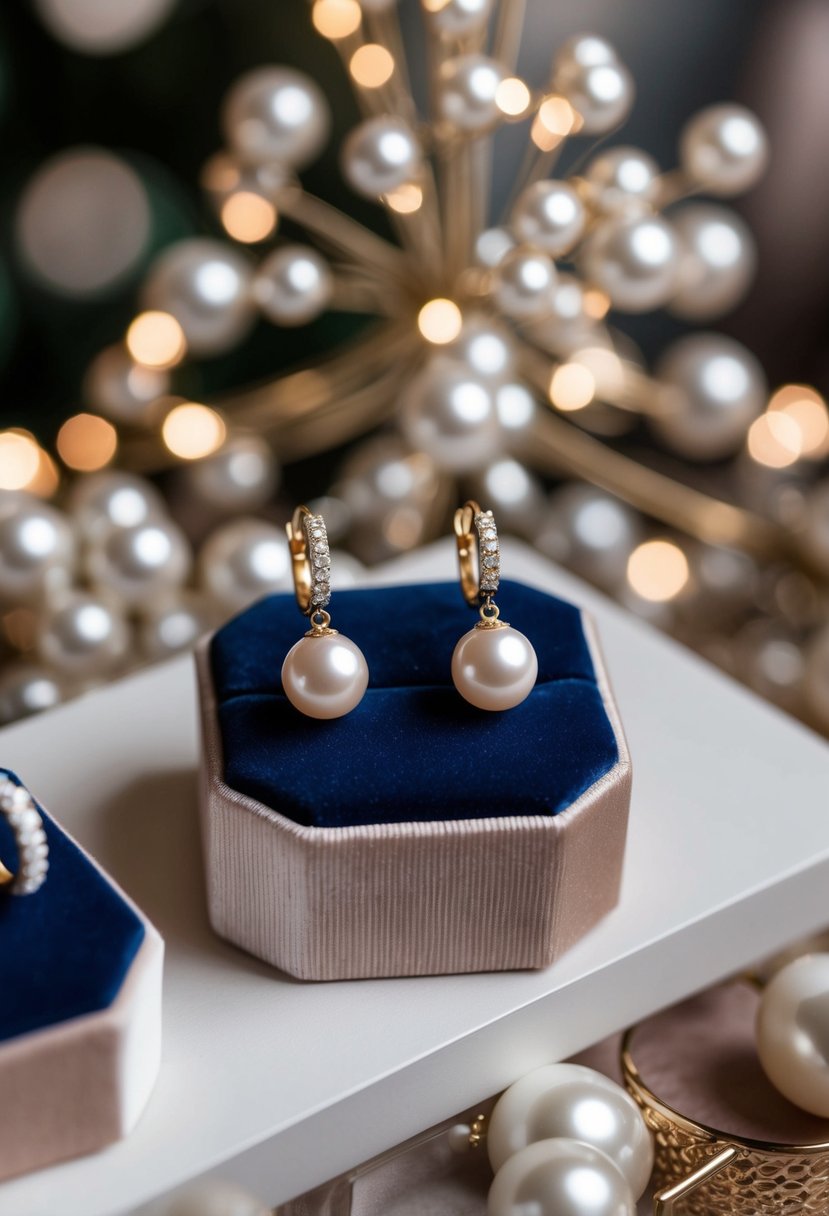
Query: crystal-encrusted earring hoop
x=494, y=666
x=324, y=674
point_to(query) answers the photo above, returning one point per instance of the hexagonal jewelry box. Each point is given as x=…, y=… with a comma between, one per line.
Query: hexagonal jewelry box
x=416, y=835
x=80, y=1009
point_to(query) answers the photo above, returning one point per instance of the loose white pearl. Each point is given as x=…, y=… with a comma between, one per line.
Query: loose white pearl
x=485, y=346
x=560, y=1178
x=622, y=180
x=140, y=563
x=724, y=149
x=173, y=625
x=26, y=689
x=325, y=677
x=459, y=17
x=123, y=390
x=206, y=286
x=276, y=114
x=568, y=1100
x=100, y=502
x=293, y=285
x=712, y=389
x=494, y=668
x=633, y=259
x=550, y=215
x=450, y=413
x=793, y=1032
x=717, y=261
x=84, y=636
x=391, y=495
x=242, y=561
x=591, y=532
x=467, y=88
x=37, y=548
x=524, y=281
x=241, y=476
x=380, y=155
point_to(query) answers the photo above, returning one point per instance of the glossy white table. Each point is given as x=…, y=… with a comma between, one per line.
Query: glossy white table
x=282, y=1085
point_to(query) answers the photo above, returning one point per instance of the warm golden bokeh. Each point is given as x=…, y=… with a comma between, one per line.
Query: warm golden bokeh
x=512, y=97
x=248, y=217
x=192, y=431
x=807, y=408
x=336, y=18
x=774, y=440
x=572, y=387
x=156, y=339
x=657, y=570
x=86, y=442
x=440, y=321
x=405, y=199
x=555, y=120
x=19, y=460
x=371, y=65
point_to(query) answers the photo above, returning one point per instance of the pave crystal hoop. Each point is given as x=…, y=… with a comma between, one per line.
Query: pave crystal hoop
x=494, y=666
x=324, y=674
x=18, y=808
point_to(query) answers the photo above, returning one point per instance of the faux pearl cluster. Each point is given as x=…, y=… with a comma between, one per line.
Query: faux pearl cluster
x=17, y=806
x=567, y=1141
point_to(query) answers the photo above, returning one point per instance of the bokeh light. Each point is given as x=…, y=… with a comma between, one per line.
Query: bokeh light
x=19, y=460
x=156, y=339
x=86, y=442
x=192, y=431
x=248, y=217
x=572, y=387
x=440, y=321
x=336, y=18
x=657, y=570
x=371, y=65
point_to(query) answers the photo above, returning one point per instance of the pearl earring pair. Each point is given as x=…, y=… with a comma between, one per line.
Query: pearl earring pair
x=325, y=675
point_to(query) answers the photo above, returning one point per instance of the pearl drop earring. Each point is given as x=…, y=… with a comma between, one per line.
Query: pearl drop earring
x=324, y=674
x=494, y=666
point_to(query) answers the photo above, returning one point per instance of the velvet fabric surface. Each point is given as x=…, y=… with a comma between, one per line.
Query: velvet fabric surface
x=413, y=750
x=64, y=950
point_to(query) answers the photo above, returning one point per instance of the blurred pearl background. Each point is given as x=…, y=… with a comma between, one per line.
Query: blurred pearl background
x=158, y=263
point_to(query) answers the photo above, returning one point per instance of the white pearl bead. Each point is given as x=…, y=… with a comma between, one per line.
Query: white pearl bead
x=391, y=494
x=622, y=180
x=585, y=50
x=450, y=414
x=100, y=502
x=513, y=492
x=524, y=280
x=724, y=149
x=560, y=1178
x=485, y=346
x=276, y=114
x=84, y=636
x=123, y=390
x=37, y=549
x=325, y=677
x=459, y=17
x=491, y=245
x=241, y=476
x=467, y=88
x=633, y=259
x=599, y=88
x=242, y=561
x=26, y=689
x=494, y=668
x=173, y=625
x=140, y=563
x=293, y=285
x=551, y=215
x=591, y=532
x=712, y=389
x=793, y=1032
x=568, y=1100
x=216, y=1197
x=381, y=154
x=717, y=261
x=206, y=286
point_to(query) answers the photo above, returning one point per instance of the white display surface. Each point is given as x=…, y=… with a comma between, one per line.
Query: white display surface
x=281, y=1084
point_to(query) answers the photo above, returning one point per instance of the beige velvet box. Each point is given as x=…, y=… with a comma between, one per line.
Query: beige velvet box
x=406, y=898
x=72, y=1085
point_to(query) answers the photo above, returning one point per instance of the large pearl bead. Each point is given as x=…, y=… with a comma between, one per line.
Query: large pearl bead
x=140, y=563
x=494, y=668
x=634, y=260
x=591, y=532
x=456, y=18
x=568, y=1100
x=550, y=215
x=37, y=549
x=712, y=389
x=467, y=88
x=793, y=1032
x=622, y=180
x=206, y=286
x=485, y=346
x=84, y=636
x=326, y=676
x=524, y=281
x=241, y=476
x=560, y=1178
x=242, y=561
x=26, y=689
x=380, y=155
x=601, y=93
x=294, y=285
x=717, y=261
x=450, y=414
x=100, y=502
x=123, y=390
x=276, y=114
x=724, y=149
x=173, y=625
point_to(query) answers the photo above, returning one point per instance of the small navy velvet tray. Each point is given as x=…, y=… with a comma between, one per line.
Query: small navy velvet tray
x=66, y=949
x=413, y=750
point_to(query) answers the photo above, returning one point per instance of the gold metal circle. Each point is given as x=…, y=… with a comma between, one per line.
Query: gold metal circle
x=300, y=559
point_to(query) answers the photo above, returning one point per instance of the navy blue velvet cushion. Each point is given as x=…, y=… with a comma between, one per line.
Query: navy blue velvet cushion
x=64, y=950
x=413, y=749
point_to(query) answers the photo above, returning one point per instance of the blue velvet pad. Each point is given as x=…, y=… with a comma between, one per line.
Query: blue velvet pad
x=413, y=749
x=66, y=949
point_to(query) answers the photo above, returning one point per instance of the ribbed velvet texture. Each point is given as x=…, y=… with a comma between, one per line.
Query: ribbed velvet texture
x=64, y=950
x=413, y=750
